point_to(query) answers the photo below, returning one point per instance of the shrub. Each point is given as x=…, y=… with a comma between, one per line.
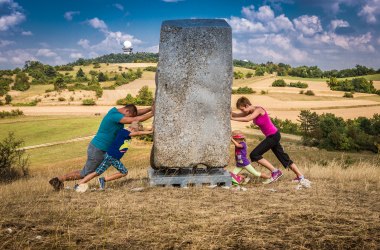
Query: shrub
x=71, y=98
x=263, y=92
x=13, y=113
x=59, y=84
x=238, y=75
x=32, y=103
x=300, y=85
x=61, y=99
x=301, y=92
x=4, y=85
x=279, y=83
x=1, y=103
x=144, y=97
x=13, y=163
x=150, y=68
x=249, y=75
x=88, y=102
x=348, y=95
x=309, y=92
x=243, y=90
x=8, y=99
x=129, y=99
x=21, y=82
x=260, y=71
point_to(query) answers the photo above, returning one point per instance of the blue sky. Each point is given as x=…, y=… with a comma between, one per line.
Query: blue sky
x=327, y=33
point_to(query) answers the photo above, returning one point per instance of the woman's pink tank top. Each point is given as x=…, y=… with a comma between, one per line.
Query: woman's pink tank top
x=265, y=124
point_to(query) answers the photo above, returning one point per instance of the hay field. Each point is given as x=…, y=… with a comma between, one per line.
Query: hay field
x=339, y=211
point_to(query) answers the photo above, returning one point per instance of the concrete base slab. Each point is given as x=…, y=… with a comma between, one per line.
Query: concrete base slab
x=187, y=177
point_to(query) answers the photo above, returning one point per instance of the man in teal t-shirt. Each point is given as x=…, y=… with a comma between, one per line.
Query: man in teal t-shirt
x=110, y=125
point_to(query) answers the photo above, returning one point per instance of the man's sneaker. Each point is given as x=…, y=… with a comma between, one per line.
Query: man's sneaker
x=298, y=179
x=236, y=179
x=102, y=183
x=276, y=175
x=81, y=188
x=305, y=183
x=56, y=183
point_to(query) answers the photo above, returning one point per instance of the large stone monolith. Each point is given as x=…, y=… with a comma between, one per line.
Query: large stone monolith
x=193, y=94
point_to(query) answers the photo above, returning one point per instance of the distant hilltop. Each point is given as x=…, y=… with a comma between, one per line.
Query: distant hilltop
x=261, y=68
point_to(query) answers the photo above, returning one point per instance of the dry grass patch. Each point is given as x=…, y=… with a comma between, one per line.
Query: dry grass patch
x=339, y=211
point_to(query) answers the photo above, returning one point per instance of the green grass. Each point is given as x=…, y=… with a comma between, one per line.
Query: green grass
x=40, y=131
x=33, y=91
x=303, y=79
x=244, y=70
x=286, y=97
x=375, y=77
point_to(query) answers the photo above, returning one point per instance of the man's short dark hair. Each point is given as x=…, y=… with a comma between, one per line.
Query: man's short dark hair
x=243, y=102
x=131, y=108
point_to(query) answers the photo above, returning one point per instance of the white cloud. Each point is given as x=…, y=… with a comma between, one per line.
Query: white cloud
x=26, y=33
x=152, y=49
x=242, y=25
x=97, y=24
x=370, y=10
x=8, y=21
x=46, y=53
x=76, y=55
x=308, y=25
x=84, y=43
x=69, y=15
x=118, y=6
x=19, y=56
x=281, y=23
x=4, y=43
x=338, y=23
x=264, y=14
x=348, y=43
x=262, y=20
x=378, y=41
x=11, y=14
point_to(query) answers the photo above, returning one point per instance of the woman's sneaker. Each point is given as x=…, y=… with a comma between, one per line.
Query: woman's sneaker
x=102, y=183
x=276, y=175
x=236, y=179
x=56, y=183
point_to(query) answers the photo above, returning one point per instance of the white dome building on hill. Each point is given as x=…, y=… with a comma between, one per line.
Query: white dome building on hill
x=127, y=47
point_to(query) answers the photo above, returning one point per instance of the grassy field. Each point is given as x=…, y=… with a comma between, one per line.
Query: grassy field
x=340, y=211
x=374, y=77
x=39, y=130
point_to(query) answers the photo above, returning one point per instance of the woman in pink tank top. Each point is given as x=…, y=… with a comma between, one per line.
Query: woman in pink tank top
x=259, y=117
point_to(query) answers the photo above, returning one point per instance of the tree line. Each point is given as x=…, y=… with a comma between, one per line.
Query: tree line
x=305, y=71
x=330, y=132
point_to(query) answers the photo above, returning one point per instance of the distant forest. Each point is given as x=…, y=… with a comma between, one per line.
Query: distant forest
x=269, y=67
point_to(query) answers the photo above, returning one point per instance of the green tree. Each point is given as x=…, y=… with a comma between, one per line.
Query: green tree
x=8, y=99
x=260, y=71
x=13, y=162
x=21, y=82
x=59, y=84
x=80, y=73
x=102, y=77
x=145, y=96
x=279, y=83
x=4, y=85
